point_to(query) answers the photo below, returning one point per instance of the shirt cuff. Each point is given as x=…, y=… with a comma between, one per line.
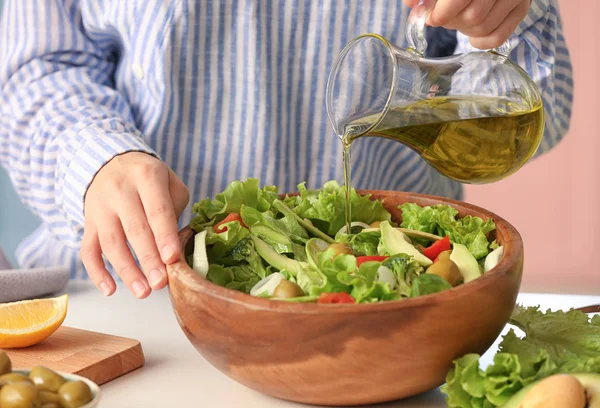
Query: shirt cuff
x=80, y=161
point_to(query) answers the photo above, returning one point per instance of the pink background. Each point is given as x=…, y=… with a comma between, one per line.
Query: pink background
x=554, y=201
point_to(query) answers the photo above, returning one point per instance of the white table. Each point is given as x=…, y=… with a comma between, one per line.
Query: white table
x=176, y=375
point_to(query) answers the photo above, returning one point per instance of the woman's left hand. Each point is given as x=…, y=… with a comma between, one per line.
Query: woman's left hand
x=488, y=23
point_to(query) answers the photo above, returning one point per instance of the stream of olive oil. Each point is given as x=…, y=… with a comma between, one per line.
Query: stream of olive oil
x=346, y=159
x=473, y=140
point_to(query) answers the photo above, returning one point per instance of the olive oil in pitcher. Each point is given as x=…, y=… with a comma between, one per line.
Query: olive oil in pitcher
x=473, y=140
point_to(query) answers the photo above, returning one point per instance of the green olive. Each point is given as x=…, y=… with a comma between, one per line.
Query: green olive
x=446, y=269
x=19, y=395
x=74, y=394
x=445, y=255
x=12, y=378
x=46, y=379
x=287, y=289
x=47, y=396
x=341, y=248
x=5, y=364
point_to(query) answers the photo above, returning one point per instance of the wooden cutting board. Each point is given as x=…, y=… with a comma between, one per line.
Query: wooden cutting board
x=99, y=357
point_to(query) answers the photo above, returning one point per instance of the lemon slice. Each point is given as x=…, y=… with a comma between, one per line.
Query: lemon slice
x=25, y=323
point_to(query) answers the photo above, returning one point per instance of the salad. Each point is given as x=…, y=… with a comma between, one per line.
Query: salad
x=297, y=248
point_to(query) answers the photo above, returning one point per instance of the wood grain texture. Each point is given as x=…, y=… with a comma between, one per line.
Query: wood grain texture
x=348, y=354
x=96, y=356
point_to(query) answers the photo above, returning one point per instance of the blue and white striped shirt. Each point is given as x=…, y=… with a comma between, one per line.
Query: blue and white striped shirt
x=220, y=90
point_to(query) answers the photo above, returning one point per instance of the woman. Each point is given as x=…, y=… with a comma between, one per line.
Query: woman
x=115, y=113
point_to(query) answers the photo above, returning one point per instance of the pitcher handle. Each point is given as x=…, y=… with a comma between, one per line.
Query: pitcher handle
x=415, y=32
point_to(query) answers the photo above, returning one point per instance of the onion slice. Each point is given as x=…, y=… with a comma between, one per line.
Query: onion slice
x=267, y=284
x=385, y=275
x=199, y=258
x=353, y=224
x=492, y=259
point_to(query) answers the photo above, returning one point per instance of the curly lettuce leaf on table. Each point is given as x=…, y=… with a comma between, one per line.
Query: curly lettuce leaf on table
x=553, y=343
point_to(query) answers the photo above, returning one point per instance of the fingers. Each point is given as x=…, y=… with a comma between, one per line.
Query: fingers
x=497, y=37
x=410, y=3
x=446, y=11
x=113, y=243
x=160, y=212
x=140, y=236
x=489, y=23
x=493, y=19
x=91, y=256
x=472, y=15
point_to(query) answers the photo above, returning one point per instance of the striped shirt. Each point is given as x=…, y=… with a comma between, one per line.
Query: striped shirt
x=219, y=90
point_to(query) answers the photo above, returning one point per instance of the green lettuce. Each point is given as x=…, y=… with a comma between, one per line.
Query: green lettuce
x=554, y=342
x=426, y=284
x=238, y=277
x=340, y=274
x=287, y=224
x=324, y=279
x=442, y=220
x=364, y=243
x=365, y=286
x=236, y=194
x=242, y=253
x=326, y=208
x=224, y=242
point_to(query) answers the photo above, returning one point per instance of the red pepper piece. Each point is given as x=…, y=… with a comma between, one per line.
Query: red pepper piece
x=437, y=248
x=334, y=298
x=361, y=259
x=231, y=217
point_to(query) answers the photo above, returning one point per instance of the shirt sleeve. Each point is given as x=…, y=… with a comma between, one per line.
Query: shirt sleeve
x=61, y=118
x=538, y=46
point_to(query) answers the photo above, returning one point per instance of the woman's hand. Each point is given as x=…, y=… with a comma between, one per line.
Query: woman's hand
x=134, y=198
x=488, y=23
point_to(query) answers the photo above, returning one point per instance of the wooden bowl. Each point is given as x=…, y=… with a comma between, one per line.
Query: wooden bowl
x=348, y=354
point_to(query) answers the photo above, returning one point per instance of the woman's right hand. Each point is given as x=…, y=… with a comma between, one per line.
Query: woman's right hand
x=134, y=198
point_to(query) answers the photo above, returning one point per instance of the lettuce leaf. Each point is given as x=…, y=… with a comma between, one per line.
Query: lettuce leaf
x=326, y=208
x=427, y=284
x=224, y=242
x=324, y=278
x=287, y=225
x=365, y=286
x=442, y=220
x=236, y=194
x=238, y=277
x=364, y=243
x=554, y=342
x=571, y=339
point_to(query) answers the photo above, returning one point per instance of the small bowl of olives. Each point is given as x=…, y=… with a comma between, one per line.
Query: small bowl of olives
x=42, y=387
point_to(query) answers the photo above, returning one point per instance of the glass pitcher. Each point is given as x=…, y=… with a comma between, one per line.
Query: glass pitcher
x=476, y=117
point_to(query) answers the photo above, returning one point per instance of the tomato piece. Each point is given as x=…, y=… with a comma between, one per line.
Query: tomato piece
x=231, y=217
x=437, y=248
x=361, y=259
x=334, y=298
